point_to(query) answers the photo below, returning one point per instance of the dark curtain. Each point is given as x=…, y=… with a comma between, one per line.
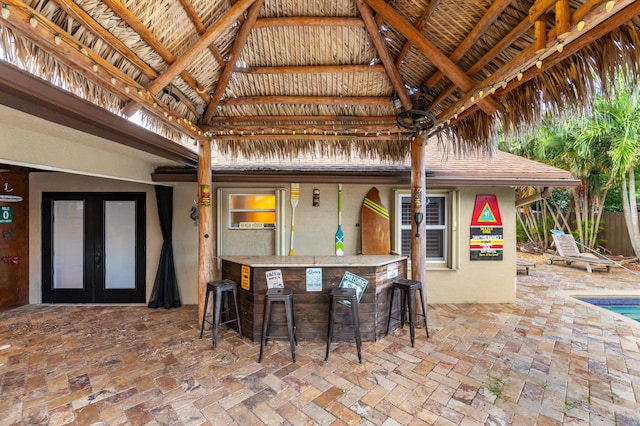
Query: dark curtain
x=165, y=288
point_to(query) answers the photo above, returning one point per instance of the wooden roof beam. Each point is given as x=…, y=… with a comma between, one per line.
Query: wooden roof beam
x=491, y=15
x=339, y=119
x=193, y=16
x=455, y=74
x=148, y=37
x=387, y=60
x=227, y=72
x=431, y=7
x=313, y=69
x=308, y=100
x=308, y=21
x=81, y=59
x=597, y=23
x=513, y=35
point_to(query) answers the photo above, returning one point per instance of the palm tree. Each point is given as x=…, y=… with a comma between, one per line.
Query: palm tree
x=615, y=125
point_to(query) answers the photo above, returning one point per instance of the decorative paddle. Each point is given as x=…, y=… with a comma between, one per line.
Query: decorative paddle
x=295, y=192
x=339, y=234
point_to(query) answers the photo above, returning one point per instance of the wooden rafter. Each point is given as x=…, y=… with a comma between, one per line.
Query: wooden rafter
x=308, y=21
x=596, y=17
x=307, y=100
x=492, y=14
x=131, y=20
x=227, y=72
x=433, y=5
x=193, y=16
x=82, y=60
x=387, y=61
x=313, y=69
x=455, y=74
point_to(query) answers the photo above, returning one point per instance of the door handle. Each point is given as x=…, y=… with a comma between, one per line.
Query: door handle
x=97, y=258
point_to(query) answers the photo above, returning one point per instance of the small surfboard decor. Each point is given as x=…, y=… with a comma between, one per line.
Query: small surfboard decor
x=339, y=233
x=375, y=227
x=295, y=193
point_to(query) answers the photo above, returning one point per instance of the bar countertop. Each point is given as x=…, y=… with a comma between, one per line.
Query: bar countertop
x=302, y=261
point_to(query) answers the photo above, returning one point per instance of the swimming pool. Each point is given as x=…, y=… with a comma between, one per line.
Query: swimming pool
x=627, y=306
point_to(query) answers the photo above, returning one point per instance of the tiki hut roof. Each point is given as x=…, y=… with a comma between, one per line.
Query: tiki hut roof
x=278, y=78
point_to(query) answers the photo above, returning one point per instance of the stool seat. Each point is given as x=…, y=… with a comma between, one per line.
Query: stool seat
x=285, y=296
x=221, y=290
x=346, y=297
x=408, y=290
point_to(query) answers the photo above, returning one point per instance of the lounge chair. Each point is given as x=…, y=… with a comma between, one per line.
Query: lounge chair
x=521, y=263
x=567, y=250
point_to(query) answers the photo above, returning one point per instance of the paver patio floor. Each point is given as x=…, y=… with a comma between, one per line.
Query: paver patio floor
x=546, y=359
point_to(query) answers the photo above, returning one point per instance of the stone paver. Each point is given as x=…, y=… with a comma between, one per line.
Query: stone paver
x=546, y=359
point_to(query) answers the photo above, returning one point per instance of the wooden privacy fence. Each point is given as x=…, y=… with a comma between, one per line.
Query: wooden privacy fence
x=615, y=235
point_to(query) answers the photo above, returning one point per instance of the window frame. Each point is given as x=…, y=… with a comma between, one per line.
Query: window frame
x=450, y=198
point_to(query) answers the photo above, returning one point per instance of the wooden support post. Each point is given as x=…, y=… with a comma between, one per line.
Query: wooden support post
x=563, y=19
x=418, y=242
x=540, y=31
x=205, y=223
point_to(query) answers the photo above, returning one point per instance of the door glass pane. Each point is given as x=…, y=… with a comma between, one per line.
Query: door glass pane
x=120, y=244
x=68, y=244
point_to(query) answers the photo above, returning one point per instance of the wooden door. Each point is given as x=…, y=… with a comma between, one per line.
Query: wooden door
x=14, y=237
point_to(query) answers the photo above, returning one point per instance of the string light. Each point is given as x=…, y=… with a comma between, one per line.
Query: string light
x=581, y=25
x=5, y=11
x=609, y=5
x=95, y=67
x=520, y=75
x=58, y=39
x=560, y=47
x=33, y=21
x=113, y=80
x=539, y=63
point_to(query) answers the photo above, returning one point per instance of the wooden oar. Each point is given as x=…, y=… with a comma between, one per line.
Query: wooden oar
x=295, y=192
x=339, y=234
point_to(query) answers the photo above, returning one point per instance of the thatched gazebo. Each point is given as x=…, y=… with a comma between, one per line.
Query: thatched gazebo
x=281, y=78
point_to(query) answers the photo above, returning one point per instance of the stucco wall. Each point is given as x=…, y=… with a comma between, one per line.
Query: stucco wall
x=315, y=227
x=471, y=282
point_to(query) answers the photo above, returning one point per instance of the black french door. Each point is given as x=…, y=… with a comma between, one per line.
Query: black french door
x=93, y=247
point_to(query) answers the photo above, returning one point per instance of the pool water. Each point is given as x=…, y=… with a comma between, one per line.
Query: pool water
x=627, y=306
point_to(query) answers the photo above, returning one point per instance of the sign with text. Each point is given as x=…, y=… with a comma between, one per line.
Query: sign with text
x=245, y=282
x=314, y=279
x=350, y=280
x=274, y=279
x=6, y=214
x=486, y=241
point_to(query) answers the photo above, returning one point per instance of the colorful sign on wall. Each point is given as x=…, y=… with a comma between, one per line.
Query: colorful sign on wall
x=486, y=241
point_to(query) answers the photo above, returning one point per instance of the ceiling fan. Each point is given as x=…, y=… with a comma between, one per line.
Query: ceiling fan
x=417, y=119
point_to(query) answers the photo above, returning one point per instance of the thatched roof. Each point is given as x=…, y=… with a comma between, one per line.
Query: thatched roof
x=284, y=77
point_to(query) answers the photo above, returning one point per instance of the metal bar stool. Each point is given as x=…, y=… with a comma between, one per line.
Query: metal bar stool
x=221, y=289
x=274, y=295
x=408, y=290
x=347, y=297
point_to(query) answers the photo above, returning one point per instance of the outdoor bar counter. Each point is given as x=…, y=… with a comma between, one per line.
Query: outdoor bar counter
x=311, y=278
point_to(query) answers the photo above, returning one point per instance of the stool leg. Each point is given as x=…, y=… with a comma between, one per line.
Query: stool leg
x=265, y=327
x=288, y=306
x=390, y=309
x=204, y=314
x=403, y=306
x=424, y=312
x=411, y=301
x=356, y=327
x=235, y=301
x=332, y=307
x=216, y=317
